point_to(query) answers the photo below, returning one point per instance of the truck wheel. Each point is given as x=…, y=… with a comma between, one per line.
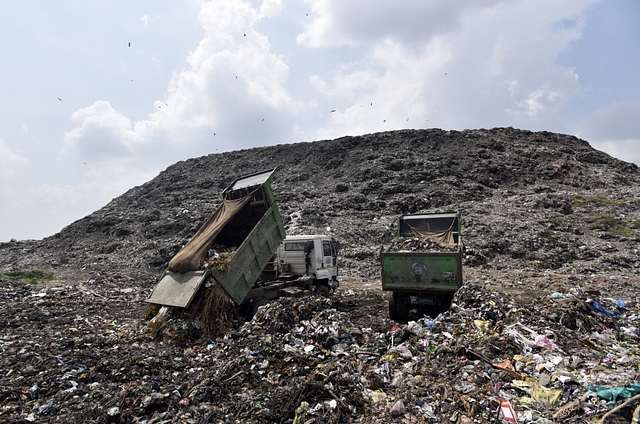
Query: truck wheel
x=255, y=305
x=392, y=309
x=321, y=290
x=402, y=311
x=447, y=300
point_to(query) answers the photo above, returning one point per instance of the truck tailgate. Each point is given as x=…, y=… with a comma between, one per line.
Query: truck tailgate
x=418, y=271
x=176, y=289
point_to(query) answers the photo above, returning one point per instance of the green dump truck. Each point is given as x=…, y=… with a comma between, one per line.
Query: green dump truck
x=232, y=248
x=422, y=266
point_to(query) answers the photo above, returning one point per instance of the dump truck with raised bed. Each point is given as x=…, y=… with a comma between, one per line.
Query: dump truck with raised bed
x=422, y=267
x=231, y=249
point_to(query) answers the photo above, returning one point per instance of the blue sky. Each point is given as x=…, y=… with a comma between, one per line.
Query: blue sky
x=86, y=116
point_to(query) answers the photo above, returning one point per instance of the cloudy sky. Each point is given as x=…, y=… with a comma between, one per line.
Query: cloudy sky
x=98, y=97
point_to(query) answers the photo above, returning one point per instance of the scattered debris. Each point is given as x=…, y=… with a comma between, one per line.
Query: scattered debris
x=73, y=354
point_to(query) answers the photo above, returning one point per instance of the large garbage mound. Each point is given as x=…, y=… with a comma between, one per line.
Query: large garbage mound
x=80, y=354
x=544, y=328
x=527, y=199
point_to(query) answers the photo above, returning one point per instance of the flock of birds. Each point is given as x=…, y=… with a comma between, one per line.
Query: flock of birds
x=332, y=111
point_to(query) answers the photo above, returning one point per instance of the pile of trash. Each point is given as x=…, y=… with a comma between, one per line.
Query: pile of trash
x=418, y=244
x=211, y=313
x=74, y=354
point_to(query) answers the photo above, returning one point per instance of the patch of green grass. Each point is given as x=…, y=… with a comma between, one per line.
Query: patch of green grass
x=628, y=233
x=621, y=227
x=549, y=237
x=608, y=222
x=598, y=200
x=541, y=265
x=555, y=222
x=111, y=246
x=34, y=276
x=605, y=222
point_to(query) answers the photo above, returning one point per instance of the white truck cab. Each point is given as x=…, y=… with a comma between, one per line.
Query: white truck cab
x=314, y=256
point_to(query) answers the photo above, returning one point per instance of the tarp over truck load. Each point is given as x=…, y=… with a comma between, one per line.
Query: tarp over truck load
x=248, y=223
x=192, y=256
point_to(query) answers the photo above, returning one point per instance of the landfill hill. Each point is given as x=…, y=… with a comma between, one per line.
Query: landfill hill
x=529, y=200
x=546, y=322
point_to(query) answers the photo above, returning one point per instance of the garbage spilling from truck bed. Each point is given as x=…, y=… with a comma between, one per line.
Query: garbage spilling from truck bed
x=81, y=353
x=219, y=257
x=422, y=244
x=211, y=313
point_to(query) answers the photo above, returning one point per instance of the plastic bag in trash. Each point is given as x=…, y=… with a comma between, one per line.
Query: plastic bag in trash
x=599, y=308
x=397, y=409
x=431, y=324
x=612, y=393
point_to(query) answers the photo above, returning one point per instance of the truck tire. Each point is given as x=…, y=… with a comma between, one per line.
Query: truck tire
x=393, y=313
x=321, y=290
x=402, y=311
x=447, y=300
x=255, y=305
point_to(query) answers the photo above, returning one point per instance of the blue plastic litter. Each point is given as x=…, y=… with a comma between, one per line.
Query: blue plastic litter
x=154, y=385
x=621, y=304
x=64, y=364
x=43, y=409
x=430, y=323
x=613, y=393
x=597, y=307
x=79, y=372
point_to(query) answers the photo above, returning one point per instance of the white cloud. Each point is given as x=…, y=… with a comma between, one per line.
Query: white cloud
x=487, y=66
x=389, y=87
x=101, y=132
x=614, y=129
x=232, y=79
x=270, y=8
x=9, y=161
x=355, y=22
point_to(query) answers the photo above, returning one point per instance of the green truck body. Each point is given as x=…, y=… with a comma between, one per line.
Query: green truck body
x=424, y=279
x=257, y=248
x=254, y=233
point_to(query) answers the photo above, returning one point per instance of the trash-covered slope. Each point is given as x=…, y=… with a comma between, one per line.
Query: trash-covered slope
x=532, y=199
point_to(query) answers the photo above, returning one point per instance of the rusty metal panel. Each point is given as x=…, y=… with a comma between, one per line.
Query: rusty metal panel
x=176, y=289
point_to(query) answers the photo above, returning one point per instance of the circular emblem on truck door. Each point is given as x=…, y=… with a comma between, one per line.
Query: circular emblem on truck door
x=419, y=268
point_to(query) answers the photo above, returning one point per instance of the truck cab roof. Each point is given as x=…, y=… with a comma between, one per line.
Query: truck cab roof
x=308, y=237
